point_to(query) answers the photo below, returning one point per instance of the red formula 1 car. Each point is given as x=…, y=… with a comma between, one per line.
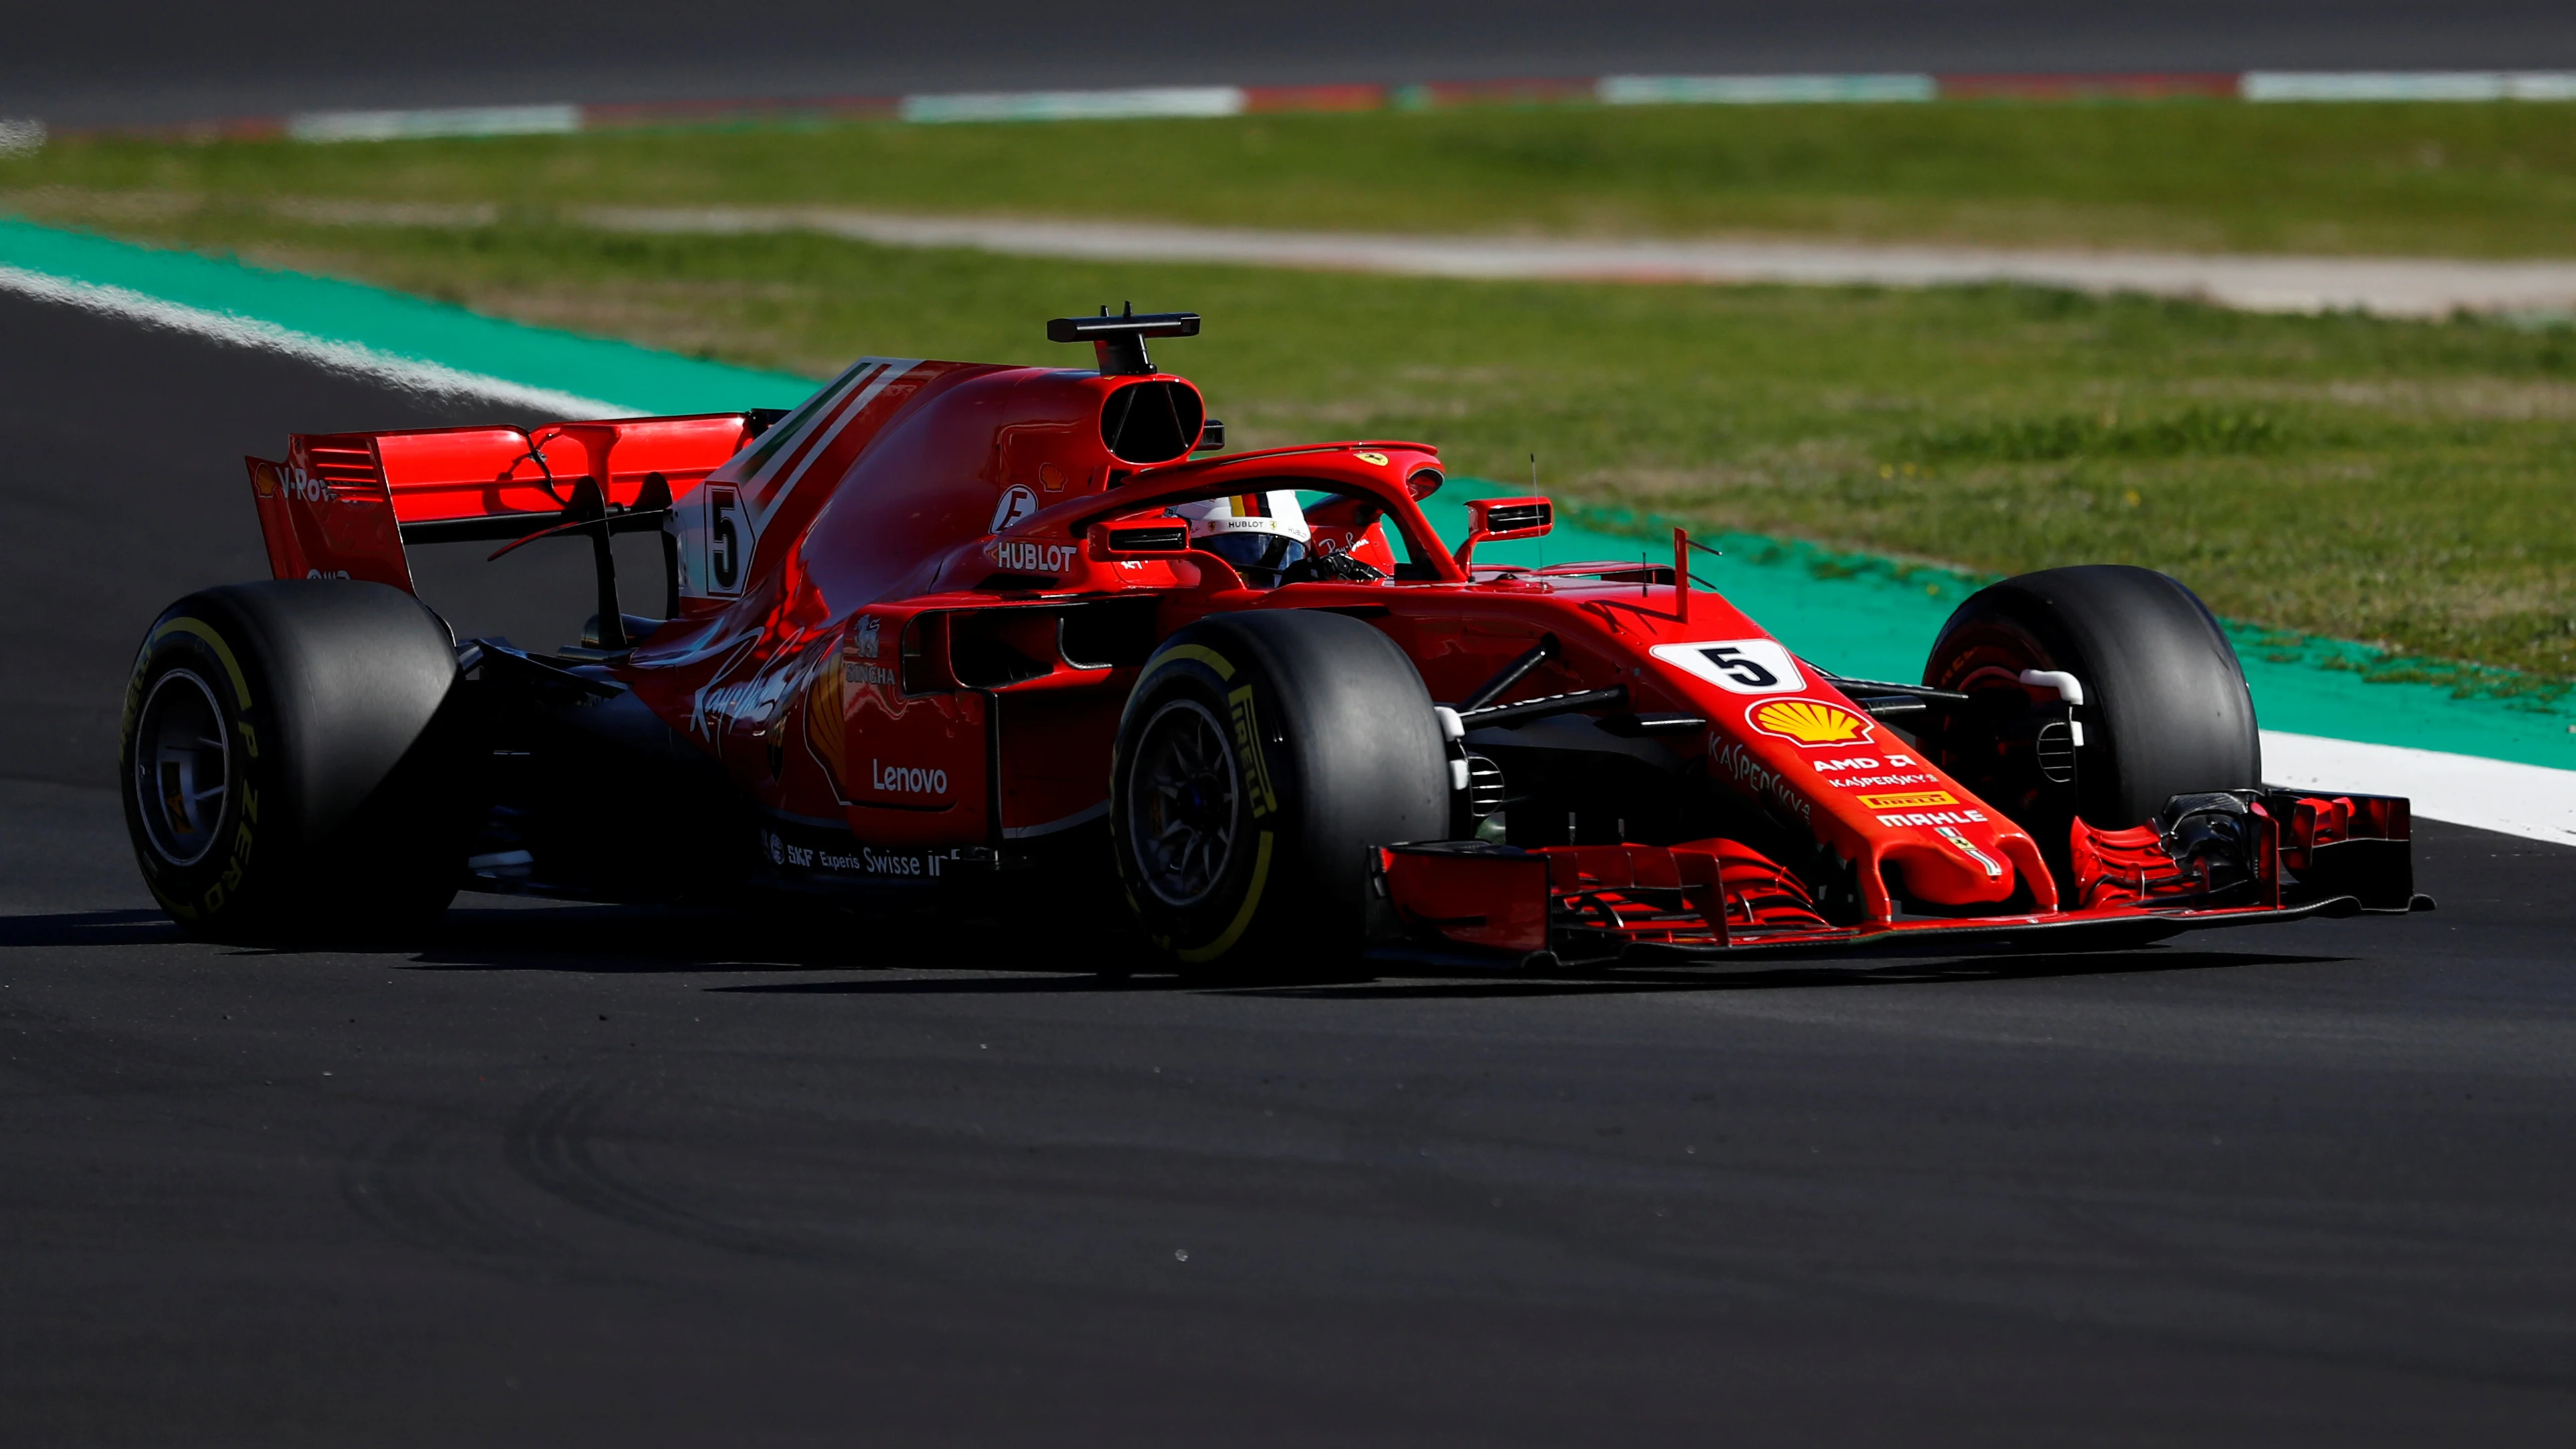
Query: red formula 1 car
x=951, y=626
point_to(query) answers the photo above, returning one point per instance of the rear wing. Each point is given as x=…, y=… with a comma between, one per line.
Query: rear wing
x=344, y=505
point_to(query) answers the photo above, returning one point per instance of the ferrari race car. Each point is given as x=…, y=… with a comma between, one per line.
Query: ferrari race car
x=955, y=627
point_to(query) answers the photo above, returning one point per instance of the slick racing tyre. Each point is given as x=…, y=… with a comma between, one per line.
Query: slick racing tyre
x=293, y=761
x=2165, y=710
x=1259, y=757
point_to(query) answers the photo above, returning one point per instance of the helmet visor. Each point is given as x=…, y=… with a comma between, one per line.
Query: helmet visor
x=1259, y=557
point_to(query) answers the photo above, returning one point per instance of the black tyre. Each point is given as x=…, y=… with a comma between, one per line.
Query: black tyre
x=293, y=761
x=2165, y=712
x=1258, y=759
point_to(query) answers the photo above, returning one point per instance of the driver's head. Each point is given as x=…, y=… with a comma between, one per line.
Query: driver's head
x=1261, y=534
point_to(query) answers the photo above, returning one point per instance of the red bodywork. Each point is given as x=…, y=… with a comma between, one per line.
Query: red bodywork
x=895, y=625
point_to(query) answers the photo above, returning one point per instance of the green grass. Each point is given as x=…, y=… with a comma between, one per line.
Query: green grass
x=2470, y=180
x=2404, y=483
x=2407, y=483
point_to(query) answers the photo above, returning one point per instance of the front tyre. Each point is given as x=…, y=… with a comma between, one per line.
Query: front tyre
x=293, y=761
x=1259, y=757
x=2165, y=713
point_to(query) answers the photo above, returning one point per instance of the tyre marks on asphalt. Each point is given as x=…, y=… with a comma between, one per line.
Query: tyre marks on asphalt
x=538, y=1193
x=430, y=1181
x=426, y=1181
x=556, y=1142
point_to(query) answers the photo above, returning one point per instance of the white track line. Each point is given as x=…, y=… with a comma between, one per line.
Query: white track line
x=1142, y=101
x=2532, y=801
x=406, y=373
x=2392, y=286
x=554, y=120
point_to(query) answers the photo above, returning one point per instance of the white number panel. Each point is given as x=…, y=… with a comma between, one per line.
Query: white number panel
x=1738, y=666
x=715, y=544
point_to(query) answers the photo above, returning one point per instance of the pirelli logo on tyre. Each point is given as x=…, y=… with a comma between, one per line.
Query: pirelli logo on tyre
x=1910, y=800
x=1247, y=744
x=1808, y=722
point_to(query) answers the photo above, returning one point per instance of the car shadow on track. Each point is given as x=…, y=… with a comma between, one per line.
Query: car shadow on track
x=656, y=939
x=617, y=939
x=89, y=928
x=1911, y=973
x=991, y=958
x=1363, y=985
x=1044, y=980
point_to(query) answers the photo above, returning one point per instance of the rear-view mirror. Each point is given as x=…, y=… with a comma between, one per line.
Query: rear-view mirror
x=1160, y=536
x=1504, y=518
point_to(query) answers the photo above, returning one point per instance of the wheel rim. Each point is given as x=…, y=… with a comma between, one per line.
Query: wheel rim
x=1181, y=804
x=182, y=768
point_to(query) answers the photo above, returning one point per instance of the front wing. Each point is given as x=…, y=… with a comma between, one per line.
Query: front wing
x=1462, y=902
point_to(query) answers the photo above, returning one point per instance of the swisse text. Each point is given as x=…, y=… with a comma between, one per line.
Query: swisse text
x=879, y=862
x=906, y=779
x=862, y=860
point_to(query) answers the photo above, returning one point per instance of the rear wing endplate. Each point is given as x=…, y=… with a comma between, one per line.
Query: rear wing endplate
x=344, y=505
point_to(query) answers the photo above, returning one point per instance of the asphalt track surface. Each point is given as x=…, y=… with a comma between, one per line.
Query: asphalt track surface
x=578, y=1175
x=137, y=61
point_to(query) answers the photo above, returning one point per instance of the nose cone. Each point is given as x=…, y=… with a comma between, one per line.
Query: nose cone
x=1946, y=866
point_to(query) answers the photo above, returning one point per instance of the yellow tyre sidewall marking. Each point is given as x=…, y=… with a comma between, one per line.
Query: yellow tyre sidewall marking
x=212, y=898
x=1226, y=939
x=214, y=641
x=1242, y=918
x=1224, y=667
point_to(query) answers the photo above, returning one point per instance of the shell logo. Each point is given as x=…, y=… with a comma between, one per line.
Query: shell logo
x=1808, y=722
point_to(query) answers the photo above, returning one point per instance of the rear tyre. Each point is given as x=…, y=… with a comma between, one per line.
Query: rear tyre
x=2165, y=713
x=294, y=762
x=1260, y=756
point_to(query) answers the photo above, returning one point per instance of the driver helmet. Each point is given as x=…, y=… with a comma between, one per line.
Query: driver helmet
x=1261, y=534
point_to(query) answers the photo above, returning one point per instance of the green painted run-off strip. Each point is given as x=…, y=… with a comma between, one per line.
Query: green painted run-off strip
x=1875, y=619
x=635, y=377
x=1859, y=616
